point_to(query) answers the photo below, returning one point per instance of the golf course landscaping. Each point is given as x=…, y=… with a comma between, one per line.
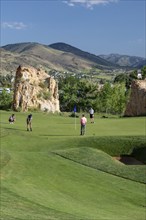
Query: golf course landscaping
x=53, y=173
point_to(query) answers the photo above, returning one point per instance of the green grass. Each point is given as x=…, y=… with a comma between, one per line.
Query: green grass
x=99, y=160
x=54, y=173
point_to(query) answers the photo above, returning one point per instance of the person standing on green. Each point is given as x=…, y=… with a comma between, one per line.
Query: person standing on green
x=91, y=111
x=83, y=122
x=29, y=122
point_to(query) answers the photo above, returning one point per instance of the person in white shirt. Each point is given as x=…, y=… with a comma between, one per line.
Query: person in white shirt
x=83, y=122
x=91, y=111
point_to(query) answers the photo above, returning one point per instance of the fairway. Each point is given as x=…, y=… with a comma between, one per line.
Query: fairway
x=53, y=173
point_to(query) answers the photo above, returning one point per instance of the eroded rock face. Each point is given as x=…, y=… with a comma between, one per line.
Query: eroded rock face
x=35, y=89
x=137, y=102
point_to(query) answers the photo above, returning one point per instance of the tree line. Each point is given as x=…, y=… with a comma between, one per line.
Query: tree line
x=103, y=98
x=107, y=98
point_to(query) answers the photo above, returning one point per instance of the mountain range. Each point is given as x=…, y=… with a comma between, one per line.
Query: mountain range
x=61, y=57
x=125, y=60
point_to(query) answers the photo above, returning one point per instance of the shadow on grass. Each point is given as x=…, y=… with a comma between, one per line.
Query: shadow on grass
x=137, y=157
x=54, y=135
x=4, y=123
x=139, y=154
x=17, y=129
x=128, y=160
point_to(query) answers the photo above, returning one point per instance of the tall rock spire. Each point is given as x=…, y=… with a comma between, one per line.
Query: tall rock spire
x=35, y=89
x=136, y=105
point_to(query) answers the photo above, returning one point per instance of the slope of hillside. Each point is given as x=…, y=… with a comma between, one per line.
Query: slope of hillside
x=70, y=49
x=31, y=54
x=61, y=57
x=141, y=64
x=38, y=55
x=125, y=60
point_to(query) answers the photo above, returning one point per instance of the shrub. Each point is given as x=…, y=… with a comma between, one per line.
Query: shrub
x=5, y=100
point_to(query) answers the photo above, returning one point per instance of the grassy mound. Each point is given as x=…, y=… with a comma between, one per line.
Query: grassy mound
x=100, y=160
x=118, y=145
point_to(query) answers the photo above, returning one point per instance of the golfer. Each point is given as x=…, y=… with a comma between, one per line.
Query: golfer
x=83, y=122
x=29, y=122
x=91, y=111
x=12, y=119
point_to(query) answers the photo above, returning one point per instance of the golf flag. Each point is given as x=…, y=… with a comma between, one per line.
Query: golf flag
x=75, y=108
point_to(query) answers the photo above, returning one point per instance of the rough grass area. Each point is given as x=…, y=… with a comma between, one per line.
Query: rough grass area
x=14, y=206
x=53, y=173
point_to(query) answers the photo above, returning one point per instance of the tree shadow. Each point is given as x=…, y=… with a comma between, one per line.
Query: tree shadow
x=17, y=129
x=54, y=135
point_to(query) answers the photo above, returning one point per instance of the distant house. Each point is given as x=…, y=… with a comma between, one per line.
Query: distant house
x=139, y=75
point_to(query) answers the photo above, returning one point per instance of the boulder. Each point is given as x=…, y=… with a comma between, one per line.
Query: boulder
x=136, y=105
x=35, y=89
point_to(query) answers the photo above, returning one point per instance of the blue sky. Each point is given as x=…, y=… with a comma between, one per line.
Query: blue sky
x=95, y=26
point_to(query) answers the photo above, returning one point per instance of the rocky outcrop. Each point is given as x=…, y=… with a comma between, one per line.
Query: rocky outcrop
x=35, y=89
x=136, y=105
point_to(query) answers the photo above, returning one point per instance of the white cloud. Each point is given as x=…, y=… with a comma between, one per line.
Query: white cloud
x=14, y=25
x=89, y=3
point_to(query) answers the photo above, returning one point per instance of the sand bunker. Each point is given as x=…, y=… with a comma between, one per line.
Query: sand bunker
x=128, y=160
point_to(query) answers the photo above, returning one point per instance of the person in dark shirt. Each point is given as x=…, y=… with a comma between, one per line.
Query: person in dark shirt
x=12, y=119
x=29, y=122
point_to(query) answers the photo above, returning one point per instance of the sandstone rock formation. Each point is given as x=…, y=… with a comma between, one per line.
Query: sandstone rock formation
x=35, y=89
x=136, y=105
